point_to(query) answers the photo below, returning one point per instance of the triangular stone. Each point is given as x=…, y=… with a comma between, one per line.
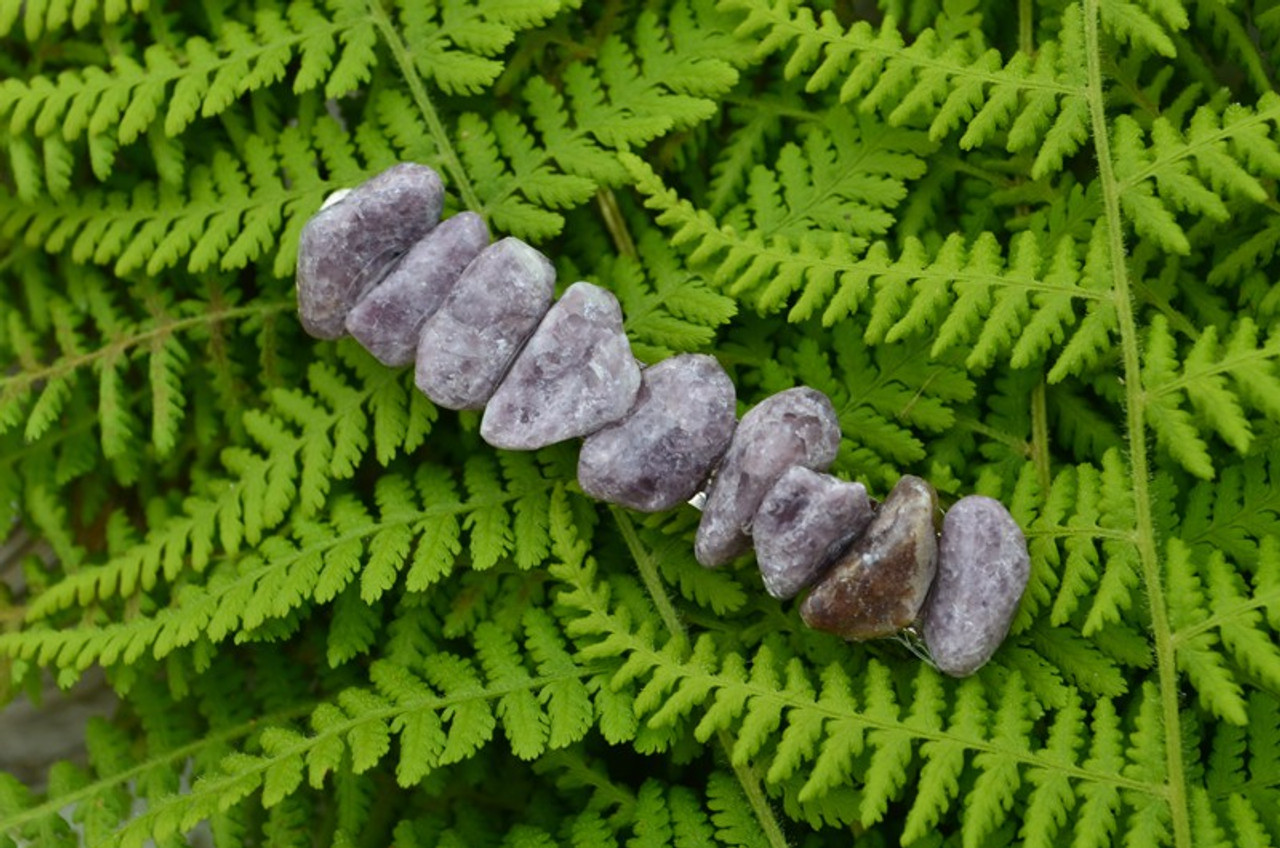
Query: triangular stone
x=661, y=453
x=575, y=375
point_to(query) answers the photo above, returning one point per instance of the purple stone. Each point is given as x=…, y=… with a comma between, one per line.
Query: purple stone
x=575, y=375
x=389, y=319
x=795, y=427
x=805, y=521
x=349, y=245
x=877, y=587
x=660, y=454
x=983, y=568
x=467, y=346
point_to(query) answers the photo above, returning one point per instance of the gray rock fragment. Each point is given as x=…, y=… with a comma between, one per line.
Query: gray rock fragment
x=467, y=346
x=804, y=522
x=660, y=454
x=878, y=585
x=349, y=245
x=983, y=568
x=575, y=375
x=389, y=319
x=795, y=427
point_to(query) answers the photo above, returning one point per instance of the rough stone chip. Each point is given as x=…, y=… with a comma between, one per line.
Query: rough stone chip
x=805, y=521
x=795, y=427
x=389, y=319
x=878, y=586
x=983, y=568
x=660, y=454
x=469, y=343
x=349, y=245
x=575, y=375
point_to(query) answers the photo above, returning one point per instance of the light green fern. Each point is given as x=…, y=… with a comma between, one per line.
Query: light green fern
x=1028, y=250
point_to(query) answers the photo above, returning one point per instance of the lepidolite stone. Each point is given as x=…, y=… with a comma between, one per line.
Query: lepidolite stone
x=660, y=454
x=468, y=345
x=795, y=427
x=575, y=375
x=389, y=319
x=878, y=586
x=805, y=521
x=349, y=245
x=983, y=568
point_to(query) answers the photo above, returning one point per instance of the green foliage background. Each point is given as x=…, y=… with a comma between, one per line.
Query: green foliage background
x=1029, y=249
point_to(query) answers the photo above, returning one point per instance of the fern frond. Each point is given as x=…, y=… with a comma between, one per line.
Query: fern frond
x=1201, y=376
x=1222, y=153
x=1029, y=299
x=41, y=19
x=945, y=82
x=335, y=48
x=1235, y=512
x=565, y=147
x=825, y=728
x=303, y=443
x=351, y=555
x=1223, y=635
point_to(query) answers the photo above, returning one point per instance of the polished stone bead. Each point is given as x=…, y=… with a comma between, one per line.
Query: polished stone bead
x=983, y=568
x=659, y=455
x=575, y=375
x=795, y=427
x=350, y=245
x=389, y=319
x=878, y=585
x=468, y=345
x=805, y=521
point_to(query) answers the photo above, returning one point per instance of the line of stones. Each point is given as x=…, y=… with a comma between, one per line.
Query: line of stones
x=479, y=323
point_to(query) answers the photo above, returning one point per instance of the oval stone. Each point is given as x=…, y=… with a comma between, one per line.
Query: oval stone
x=575, y=375
x=983, y=568
x=879, y=584
x=794, y=427
x=350, y=244
x=659, y=455
x=805, y=521
x=388, y=320
x=468, y=345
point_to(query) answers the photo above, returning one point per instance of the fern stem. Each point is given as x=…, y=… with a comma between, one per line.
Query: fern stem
x=750, y=782
x=1175, y=791
x=117, y=346
x=1026, y=26
x=648, y=568
x=615, y=223
x=747, y=777
x=175, y=755
x=418, y=89
x=1040, y=436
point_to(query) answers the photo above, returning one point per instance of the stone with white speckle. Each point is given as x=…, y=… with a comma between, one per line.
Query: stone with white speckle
x=389, y=319
x=794, y=427
x=805, y=521
x=351, y=243
x=575, y=375
x=658, y=456
x=466, y=347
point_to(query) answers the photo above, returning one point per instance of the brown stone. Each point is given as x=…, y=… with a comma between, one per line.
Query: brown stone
x=879, y=584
